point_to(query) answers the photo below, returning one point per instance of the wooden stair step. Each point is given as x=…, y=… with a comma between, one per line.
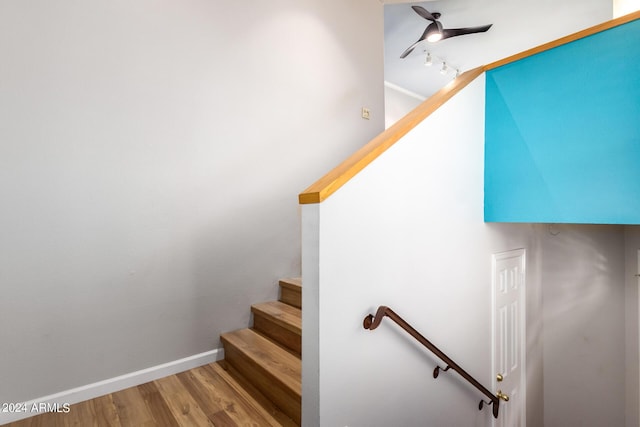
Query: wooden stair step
x=291, y=291
x=274, y=371
x=285, y=315
x=281, y=322
x=257, y=400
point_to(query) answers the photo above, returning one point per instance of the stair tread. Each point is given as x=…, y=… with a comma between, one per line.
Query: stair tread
x=292, y=283
x=285, y=315
x=275, y=360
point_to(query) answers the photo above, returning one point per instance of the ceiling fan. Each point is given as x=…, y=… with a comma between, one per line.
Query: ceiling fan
x=435, y=32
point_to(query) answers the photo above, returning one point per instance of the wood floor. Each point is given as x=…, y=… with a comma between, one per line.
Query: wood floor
x=258, y=383
x=204, y=396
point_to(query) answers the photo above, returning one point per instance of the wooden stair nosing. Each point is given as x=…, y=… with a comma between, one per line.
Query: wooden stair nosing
x=293, y=283
x=282, y=337
x=280, y=322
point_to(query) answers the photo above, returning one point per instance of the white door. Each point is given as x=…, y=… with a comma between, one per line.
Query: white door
x=508, y=277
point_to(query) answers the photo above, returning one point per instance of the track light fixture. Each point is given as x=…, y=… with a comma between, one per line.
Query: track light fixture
x=428, y=61
x=445, y=68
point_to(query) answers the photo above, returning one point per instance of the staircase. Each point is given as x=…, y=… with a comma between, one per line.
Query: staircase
x=267, y=357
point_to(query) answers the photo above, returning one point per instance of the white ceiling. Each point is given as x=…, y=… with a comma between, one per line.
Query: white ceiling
x=517, y=26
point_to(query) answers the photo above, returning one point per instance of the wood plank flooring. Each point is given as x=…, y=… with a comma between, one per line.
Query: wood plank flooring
x=204, y=396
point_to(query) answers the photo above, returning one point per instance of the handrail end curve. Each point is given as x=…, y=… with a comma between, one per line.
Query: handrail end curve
x=372, y=322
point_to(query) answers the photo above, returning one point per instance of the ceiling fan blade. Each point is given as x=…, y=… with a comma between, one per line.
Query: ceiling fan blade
x=423, y=12
x=453, y=32
x=410, y=48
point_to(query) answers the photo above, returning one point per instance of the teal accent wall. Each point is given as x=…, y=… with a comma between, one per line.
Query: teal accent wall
x=562, y=133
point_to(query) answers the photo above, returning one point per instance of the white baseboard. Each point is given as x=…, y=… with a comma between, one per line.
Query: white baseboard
x=112, y=385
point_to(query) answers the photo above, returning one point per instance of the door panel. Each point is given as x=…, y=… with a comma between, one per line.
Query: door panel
x=508, y=332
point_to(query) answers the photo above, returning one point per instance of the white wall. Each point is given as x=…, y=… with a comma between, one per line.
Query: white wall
x=632, y=330
x=398, y=102
x=623, y=7
x=408, y=232
x=150, y=157
x=584, y=325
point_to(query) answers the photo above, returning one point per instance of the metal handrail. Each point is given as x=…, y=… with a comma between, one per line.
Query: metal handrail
x=372, y=322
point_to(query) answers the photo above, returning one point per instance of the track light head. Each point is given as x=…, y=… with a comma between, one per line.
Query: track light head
x=428, y=60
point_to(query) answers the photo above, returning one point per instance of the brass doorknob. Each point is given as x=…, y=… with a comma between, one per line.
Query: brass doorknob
x=501, y=395
x=499, y=377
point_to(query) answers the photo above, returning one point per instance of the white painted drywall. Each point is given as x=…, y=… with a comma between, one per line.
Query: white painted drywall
x=311, y=315
x=408, y=232
x=584, y=325
x=151, y=153
x=398, y=103
x=623, y=7
x=632, y=330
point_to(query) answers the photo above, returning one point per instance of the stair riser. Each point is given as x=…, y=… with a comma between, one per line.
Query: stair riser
x=269, y=385
x=284, y=337
x=291, y=297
